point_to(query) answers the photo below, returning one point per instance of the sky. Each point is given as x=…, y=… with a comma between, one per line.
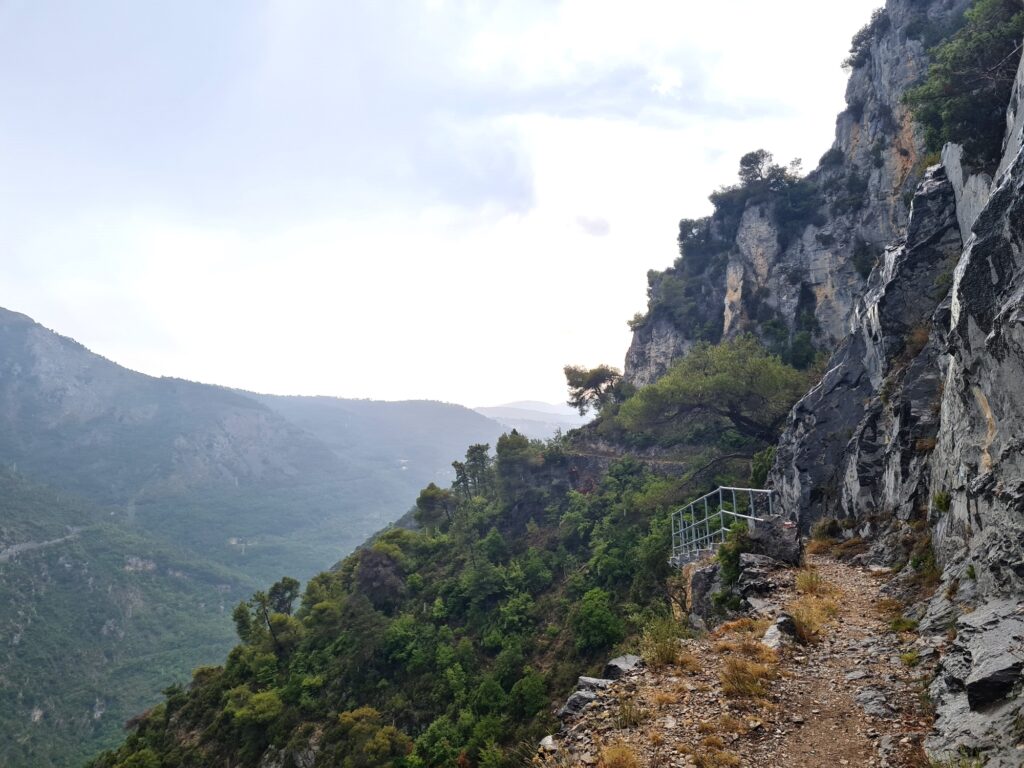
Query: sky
x=390, y=199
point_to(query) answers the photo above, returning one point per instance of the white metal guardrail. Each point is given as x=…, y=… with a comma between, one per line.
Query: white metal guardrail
x=700, y=526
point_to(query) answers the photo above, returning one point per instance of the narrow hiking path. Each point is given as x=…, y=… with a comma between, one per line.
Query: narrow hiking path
x=847, y=699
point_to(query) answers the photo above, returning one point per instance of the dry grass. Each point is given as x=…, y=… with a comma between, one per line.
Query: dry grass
x=629, y=713
x=809, y=582
x=819, y=546
x=889, y=608
x=716, y=759
x=744, y=626
x=811, y=613
x=748, y=648
x=744, y=679
x=688, y=662
x=730, y=724
x=713, y=741
x=848, y=549
x=663, y=699
x=618, y=755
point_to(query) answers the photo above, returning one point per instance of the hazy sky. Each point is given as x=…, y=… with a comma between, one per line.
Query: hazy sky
x=446, y=200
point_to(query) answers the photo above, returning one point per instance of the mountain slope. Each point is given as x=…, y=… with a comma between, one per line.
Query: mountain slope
x=164, y=467
x=96, y=621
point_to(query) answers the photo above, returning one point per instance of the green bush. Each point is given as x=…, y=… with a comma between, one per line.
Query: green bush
x=963, y=97
x=595, y=624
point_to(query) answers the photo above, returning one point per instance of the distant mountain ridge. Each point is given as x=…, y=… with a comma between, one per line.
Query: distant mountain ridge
x=533, y=418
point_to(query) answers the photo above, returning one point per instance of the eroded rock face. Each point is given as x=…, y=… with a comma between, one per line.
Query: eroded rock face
x=653, y=349
x=865, y=182
x=977, y=690
x=856, y=443
x=934, y=388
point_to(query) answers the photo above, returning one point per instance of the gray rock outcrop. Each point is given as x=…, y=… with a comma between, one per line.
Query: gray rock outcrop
x=768, y=275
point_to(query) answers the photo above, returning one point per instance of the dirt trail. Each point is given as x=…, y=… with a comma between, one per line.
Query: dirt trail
x=847, y=700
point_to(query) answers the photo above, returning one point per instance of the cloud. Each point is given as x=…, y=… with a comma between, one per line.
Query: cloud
x=347, y=199
x=596, y=226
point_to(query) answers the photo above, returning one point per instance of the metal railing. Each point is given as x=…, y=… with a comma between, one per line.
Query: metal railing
x=703, y=524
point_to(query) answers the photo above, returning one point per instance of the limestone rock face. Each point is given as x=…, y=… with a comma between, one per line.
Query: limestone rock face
x=653, y=349
x=865, y=184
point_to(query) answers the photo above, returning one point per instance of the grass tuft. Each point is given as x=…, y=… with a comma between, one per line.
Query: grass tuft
x=744, y=679
x=619, y=755
x=810, y=614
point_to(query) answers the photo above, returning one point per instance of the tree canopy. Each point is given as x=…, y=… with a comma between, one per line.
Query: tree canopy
x=963, y=98
x=591, y=387
x=736, y=382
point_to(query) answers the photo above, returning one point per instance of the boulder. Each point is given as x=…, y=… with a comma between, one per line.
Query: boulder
x=592, y=683
x=780, y=633
x=756, y=574
x=622, y=665
x=576, y=702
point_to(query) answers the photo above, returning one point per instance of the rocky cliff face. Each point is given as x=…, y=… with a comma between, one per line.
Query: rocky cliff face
x=915, y=438
x=811, y=280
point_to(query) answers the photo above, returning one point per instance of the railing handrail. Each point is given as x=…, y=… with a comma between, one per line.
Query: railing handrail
x=689, y=541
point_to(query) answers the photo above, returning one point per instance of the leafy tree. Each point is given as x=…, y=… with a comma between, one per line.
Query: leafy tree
x=737, y=383
x=755, y=166
x=283, y=594
x=594, y=623
x=478, y=468
x=591, y=388
x=434, y=505
x=362, y=740
x=379, y=578
x=860, y=46
x=242, y=616
x=964, y=96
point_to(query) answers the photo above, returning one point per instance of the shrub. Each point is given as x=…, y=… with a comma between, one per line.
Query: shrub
x=860, y=46
x=834, y=156
x=809, y=582
x=864, y=257
x=659, y=644
x=595, y=625
x=736, y=543
x=826, y=528
x=619, y=755
x=744, y=679
x=941, y=500
x=910, y=658
x=964, y=95
x=902, y=624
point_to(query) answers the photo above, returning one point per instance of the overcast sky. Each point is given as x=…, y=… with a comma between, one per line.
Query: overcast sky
x=445, y=200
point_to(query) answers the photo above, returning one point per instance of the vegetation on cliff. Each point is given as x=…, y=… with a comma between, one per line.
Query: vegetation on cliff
x=447, y=645
x=964, y=95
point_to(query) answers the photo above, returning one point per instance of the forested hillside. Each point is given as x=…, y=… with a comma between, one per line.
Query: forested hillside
x=137, y=511
x=448, y=643
x=96, y=619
